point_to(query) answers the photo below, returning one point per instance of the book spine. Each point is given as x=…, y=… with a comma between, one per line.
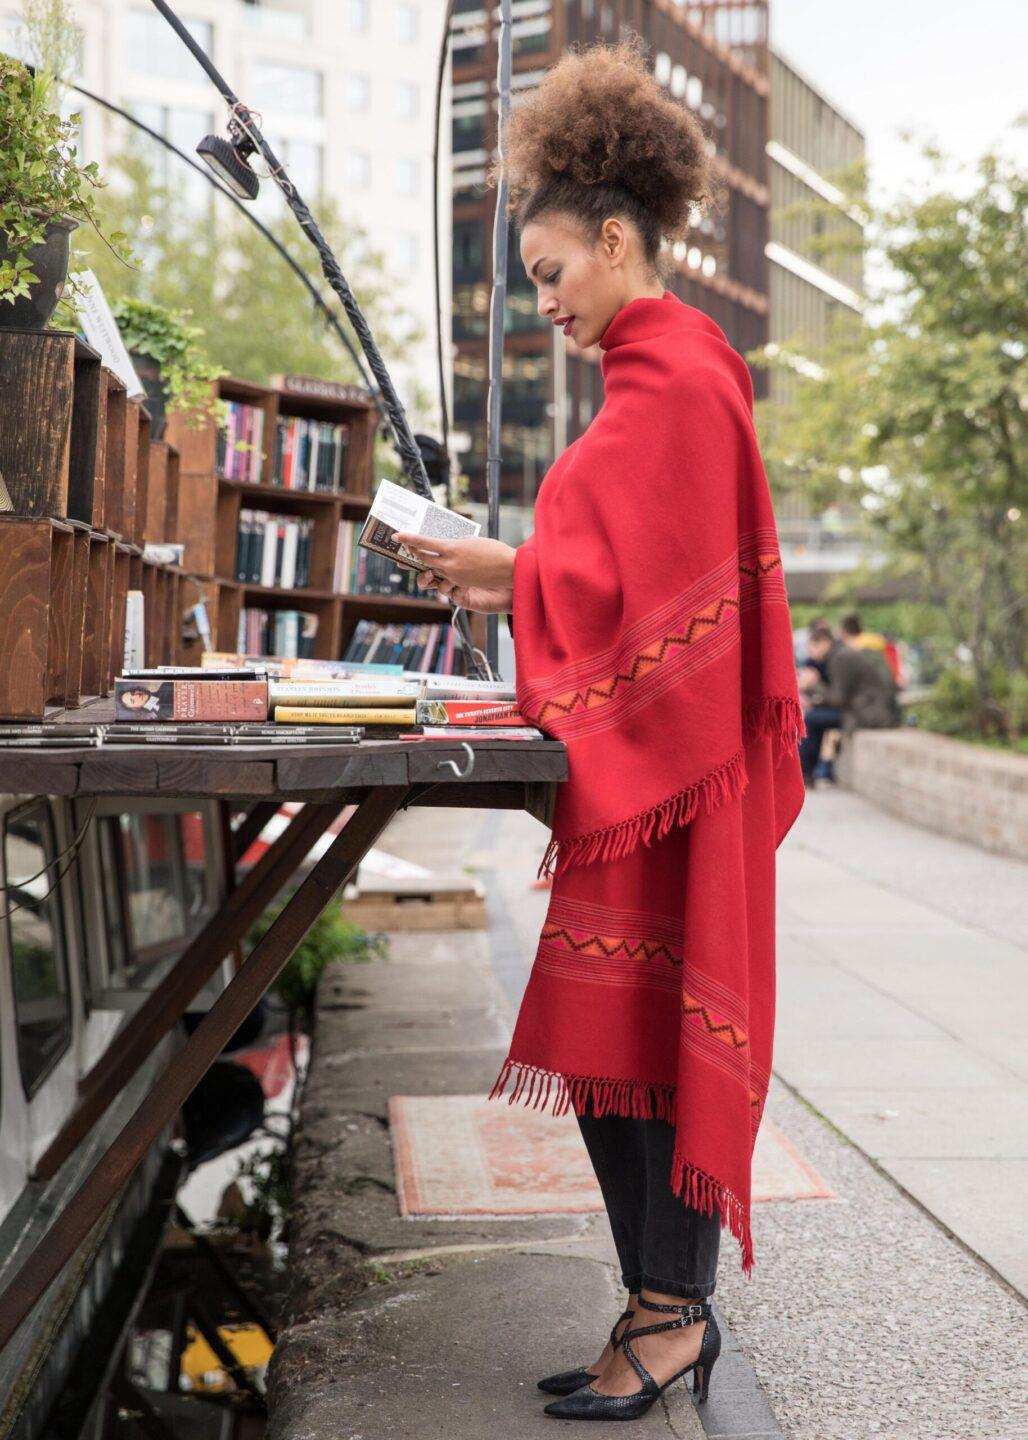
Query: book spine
x=350, y=715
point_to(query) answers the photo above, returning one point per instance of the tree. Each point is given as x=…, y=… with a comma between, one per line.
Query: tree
x=918, y=411
x=206, y=258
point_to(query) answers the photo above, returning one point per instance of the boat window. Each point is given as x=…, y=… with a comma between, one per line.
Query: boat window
x=36, y=933
x=155, y=889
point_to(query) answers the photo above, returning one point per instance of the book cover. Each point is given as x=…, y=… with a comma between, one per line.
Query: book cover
x=158, y=700
x=468, y=712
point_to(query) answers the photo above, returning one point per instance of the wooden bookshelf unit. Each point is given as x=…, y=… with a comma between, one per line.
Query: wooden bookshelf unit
x=211, y=504
x=88, y=488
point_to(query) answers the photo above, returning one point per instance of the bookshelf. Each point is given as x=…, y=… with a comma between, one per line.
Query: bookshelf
x=223, y=490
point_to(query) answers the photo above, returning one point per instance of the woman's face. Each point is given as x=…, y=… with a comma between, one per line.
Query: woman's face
x=580, y=284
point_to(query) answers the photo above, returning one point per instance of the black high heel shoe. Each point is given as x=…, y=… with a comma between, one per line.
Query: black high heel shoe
x=589, y=1404
x=565, y=1381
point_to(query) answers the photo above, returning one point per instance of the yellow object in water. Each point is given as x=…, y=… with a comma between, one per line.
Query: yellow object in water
x=202, y=1368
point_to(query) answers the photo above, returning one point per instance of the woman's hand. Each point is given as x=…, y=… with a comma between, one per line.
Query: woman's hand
x=476, y=572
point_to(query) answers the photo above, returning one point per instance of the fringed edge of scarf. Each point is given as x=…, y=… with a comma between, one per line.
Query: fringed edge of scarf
x=703, y=1192
x=641, y=1099
x=778, y=717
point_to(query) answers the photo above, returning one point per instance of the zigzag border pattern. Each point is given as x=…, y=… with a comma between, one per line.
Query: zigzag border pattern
x=609, y=947
x=698, y=626
x=717, y=1026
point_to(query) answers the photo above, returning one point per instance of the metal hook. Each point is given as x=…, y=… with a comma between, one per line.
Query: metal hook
x=460, y=774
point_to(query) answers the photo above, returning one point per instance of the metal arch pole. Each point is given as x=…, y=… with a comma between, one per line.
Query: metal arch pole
x=298, y=270
x=403, y=437
x=497, y=312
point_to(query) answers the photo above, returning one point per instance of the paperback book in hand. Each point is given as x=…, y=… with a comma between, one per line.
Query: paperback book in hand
x=396, y=508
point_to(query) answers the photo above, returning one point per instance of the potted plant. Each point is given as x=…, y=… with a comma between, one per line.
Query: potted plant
x=44, y=195
x=170, y=361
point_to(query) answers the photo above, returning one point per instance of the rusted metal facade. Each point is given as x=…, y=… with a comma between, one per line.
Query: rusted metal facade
x=714, y=59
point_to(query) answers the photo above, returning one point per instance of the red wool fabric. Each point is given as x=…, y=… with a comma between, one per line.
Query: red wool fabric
x=652, y=636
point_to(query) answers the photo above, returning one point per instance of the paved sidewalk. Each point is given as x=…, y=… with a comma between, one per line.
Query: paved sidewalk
x=863, y=1316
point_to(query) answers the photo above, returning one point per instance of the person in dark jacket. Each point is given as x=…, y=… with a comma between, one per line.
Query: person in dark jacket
x=859, y=693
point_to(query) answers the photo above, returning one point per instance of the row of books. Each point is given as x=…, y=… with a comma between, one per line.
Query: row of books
x=424, y=646
x=363, y=572
x=309, y=454
x=288, y=633
x=274, y=549
x=241, y=443
x=250, y=700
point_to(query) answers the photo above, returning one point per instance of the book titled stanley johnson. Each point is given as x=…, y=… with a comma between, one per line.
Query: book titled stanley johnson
x=137, y=698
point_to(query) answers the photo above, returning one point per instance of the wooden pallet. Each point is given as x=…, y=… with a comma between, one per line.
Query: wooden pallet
x=434, y=902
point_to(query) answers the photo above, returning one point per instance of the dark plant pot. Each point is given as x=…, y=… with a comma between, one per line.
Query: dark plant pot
x=149, y=371
x=49, y=261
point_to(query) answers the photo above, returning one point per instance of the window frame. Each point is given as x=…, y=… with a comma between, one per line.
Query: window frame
x=54, y=900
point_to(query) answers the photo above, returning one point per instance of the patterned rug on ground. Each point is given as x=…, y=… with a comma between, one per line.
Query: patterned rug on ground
x=458, y=1155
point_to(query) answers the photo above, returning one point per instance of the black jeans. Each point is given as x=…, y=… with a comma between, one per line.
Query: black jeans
x=662, y=1243
x=819, y=719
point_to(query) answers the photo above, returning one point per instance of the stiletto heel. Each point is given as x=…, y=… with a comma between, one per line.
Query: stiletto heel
x=588, y=1404
x=567, y=1381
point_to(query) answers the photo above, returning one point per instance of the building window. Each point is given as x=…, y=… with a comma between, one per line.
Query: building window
x=356, y=169
x=356, y=92
x=185, y=129
x=155, y=49
x=405, y=250
x=405, y=23
x=157, y=895
x=407, y=175
x=355, y=16
x=42, y=1001
x=288, y=89
x=302, y=160
x=405, y=100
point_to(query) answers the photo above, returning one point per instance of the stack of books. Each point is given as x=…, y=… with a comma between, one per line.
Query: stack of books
x=289, y=633
x=439, y=706
x=309, y=454
x=274, y=549
x=241, y=443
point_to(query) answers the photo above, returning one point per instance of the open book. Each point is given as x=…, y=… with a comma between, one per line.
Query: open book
x=396, y=508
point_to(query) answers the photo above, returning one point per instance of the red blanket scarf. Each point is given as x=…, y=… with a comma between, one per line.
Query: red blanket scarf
x=652, y=636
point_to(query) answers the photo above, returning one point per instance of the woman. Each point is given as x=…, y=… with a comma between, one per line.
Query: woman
x=652, y=635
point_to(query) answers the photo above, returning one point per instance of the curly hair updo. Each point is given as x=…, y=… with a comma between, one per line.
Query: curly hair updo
x=600, y=138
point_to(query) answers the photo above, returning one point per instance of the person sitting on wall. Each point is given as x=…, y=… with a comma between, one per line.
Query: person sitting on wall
x=859, y=694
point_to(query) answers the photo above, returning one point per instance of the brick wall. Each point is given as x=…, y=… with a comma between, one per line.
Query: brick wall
x=968, y=791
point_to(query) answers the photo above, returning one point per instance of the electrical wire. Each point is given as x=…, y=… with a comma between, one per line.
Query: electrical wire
x=71, y=850
x=319, y=302
x=406, y=446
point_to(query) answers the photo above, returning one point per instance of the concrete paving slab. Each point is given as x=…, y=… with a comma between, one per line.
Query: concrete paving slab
x=826, y=1000
x=807, y=1060
x=930, y=1124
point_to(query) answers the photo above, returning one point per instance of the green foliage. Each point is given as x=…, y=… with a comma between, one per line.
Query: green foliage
x=207, y=258
x=50, y=39
x=955, y=707
x=268, y=1173
x=40, y=177
x=915, y=414
x=330, y=939
x=168, y=337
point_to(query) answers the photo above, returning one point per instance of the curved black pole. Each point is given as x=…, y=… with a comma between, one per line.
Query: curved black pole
x=327, y=312
x=406, y=445
x=440, y=79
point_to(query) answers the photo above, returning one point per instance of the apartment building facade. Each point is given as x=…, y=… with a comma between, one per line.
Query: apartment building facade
x=712, y=58
x=346, y=91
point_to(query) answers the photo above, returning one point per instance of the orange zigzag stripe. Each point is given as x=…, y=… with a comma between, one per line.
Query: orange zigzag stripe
x=609, y=945
x=698, y=625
